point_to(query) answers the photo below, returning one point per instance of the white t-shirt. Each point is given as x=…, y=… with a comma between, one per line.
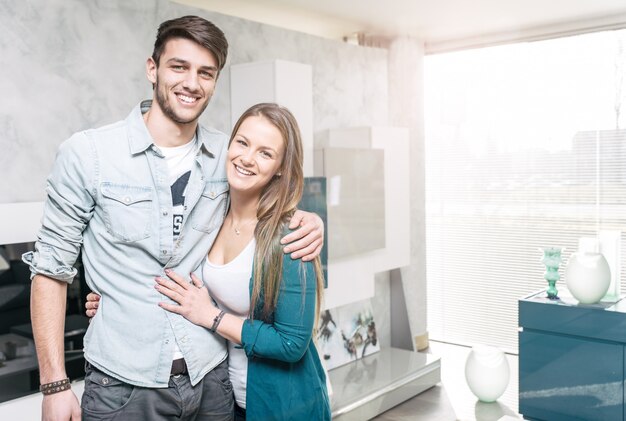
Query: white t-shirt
x=229, y=286
x=180, y=161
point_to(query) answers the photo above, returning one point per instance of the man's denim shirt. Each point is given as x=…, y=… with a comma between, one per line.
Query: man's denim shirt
x=109, y=194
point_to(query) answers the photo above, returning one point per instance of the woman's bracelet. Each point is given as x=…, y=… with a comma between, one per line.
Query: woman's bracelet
x=216, y=321
x=55, y=387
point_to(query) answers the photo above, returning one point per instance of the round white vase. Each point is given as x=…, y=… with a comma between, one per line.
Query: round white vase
x=587, y=277
x=487, y=372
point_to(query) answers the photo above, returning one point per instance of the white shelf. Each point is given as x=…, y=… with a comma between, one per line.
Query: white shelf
x=370, y=386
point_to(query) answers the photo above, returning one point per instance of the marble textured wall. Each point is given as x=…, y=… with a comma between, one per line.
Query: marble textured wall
x=406, y=109
x=68, y=65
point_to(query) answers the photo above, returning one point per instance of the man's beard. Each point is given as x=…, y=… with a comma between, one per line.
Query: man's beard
x=162, y=100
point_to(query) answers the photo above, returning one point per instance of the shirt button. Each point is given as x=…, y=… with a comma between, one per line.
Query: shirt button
x=105, y=381
x=164, y=213
x=212, y=195
x=164, y=252
x=127, y=199
x=167, y=341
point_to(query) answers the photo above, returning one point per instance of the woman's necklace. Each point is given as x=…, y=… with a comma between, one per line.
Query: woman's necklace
x=240, y=225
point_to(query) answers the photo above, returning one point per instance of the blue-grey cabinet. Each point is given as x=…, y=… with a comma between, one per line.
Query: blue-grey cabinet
x=571, y=359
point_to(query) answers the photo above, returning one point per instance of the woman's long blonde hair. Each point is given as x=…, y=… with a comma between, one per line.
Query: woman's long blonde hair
x=277, y=204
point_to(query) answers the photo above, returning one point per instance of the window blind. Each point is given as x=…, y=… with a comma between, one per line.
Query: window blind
x=524, y=149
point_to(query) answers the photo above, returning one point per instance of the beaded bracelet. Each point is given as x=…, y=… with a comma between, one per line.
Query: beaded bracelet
x=216, y=321
x=55, y=387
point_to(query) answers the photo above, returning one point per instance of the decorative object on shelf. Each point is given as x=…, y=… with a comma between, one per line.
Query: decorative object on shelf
x=347, y=333
x=10, y=350
x=552, y=260
x=487, y=372
x=588, y=275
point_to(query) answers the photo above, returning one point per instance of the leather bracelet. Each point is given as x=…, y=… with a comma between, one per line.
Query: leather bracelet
x=216, y=321
x=55, y=387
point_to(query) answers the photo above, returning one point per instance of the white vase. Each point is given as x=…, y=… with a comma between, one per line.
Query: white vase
x=587, y=276
x=487, y=372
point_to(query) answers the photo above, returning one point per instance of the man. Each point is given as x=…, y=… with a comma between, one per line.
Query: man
x=140, y=196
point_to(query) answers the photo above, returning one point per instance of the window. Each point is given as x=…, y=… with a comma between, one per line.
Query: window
x=525, y=148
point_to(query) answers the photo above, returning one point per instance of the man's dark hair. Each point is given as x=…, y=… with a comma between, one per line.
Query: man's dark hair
x=196, y=29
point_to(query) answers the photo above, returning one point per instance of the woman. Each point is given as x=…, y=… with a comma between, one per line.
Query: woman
x=267, y=305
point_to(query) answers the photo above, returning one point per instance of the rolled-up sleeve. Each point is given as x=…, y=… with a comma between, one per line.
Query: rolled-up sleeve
x=288, y=337
x=67, y=210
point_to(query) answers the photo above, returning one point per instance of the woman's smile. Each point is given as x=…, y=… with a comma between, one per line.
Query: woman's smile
x=242, y=171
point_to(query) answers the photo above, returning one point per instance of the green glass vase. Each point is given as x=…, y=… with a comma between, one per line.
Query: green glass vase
x=552, y=259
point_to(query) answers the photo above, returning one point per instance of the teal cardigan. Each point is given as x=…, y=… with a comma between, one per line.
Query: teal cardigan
x=286, y=380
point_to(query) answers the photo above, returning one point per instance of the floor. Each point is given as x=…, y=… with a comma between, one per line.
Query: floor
x=452, y=399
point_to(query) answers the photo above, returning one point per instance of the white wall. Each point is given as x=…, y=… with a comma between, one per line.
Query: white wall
x=406, y=109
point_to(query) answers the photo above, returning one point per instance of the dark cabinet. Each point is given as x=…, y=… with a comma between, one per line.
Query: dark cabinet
x=571, y=359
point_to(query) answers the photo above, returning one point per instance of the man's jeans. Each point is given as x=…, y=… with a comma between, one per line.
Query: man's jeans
x=106, y=398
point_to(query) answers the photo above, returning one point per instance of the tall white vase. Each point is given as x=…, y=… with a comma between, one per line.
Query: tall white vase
x=487, y=372
x=587, y=276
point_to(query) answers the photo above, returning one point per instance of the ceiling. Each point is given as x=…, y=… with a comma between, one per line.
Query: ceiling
x=441, y=24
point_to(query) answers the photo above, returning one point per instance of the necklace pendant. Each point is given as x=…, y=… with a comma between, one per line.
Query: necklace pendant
x=237, y=231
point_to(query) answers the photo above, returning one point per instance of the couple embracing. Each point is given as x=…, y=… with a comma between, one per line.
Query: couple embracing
x=197, y=312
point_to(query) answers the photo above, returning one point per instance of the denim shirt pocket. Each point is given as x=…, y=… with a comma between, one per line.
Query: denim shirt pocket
x=211, y=208
x=127, y=210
